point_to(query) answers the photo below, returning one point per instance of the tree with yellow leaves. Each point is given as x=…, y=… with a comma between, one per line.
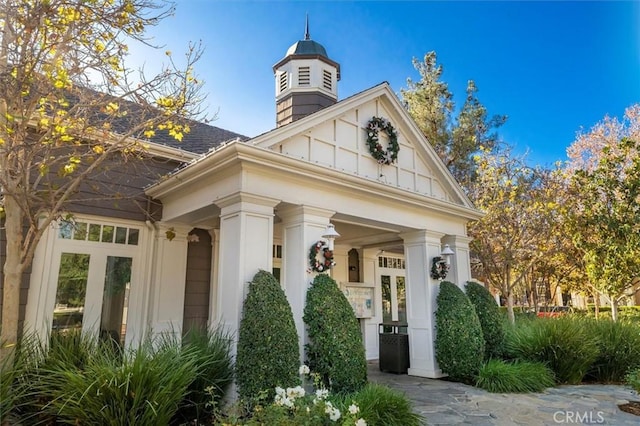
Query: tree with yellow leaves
x=69, y=105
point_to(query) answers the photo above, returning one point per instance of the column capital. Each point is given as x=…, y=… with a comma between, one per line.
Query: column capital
x=302, y=213
x=457, y=240
x=178, y=231
x=422, y=236
x=242, y=201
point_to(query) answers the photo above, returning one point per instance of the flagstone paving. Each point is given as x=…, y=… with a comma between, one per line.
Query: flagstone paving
x=441, y=402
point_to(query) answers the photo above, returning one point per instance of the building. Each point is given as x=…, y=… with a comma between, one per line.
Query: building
x=265, y=203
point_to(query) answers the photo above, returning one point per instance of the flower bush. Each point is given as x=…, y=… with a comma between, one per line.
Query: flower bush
x=295, y=406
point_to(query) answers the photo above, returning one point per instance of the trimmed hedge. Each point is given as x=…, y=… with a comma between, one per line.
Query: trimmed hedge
x=490, y=318
x=335, y=350
x=459, y=341
x=268, y=354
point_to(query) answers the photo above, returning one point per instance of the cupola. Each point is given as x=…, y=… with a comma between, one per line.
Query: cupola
x=306, y=80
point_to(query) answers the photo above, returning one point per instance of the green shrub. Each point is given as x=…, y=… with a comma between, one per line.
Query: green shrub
x=491, y=320
x=618, y=350
x=520, y=376
x=268, y=352
x=80, y=379
x=335, y=350
x=563, y=344
x=211, y=352
x=459, y=341
x=380, y=405
x=633, y=379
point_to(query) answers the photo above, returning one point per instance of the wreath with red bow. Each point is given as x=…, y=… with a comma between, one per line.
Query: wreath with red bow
x=325, y=262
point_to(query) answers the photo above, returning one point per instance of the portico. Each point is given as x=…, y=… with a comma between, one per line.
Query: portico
x=257, y=194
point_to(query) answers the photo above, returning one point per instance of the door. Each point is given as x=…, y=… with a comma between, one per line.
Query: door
x=91, y=275
x=394, y=295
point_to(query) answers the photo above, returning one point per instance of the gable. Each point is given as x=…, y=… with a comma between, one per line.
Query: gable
x=338, y=141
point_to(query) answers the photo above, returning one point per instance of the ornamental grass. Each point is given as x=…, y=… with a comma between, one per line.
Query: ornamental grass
x=500, y=376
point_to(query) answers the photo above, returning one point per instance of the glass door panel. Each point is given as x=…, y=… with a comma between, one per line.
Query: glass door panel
x=387, y=314
x=115, y=298
x=71, y=293
x=402, y=299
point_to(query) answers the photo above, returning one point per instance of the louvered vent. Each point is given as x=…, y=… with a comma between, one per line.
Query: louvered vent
x=326, y=79
x=304, y=76
x=283, y=82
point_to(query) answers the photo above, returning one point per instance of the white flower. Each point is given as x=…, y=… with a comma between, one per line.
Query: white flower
x=297, y=392
x=353, y=409
x=334, y=415
x=322, y=394
x=279, y=391
x=361, y=422
x=303, y=370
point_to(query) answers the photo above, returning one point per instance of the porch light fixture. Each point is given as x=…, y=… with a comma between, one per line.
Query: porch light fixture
x=330, y=234
x=440, y=264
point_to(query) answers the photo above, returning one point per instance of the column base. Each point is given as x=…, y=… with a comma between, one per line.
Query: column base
x=430, y=374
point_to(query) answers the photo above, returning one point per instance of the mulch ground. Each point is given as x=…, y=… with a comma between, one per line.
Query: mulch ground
x=632, y=407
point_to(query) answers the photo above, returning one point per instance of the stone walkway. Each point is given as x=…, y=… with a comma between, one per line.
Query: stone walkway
x=447, y=403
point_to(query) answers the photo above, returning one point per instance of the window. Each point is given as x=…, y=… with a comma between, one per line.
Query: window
x=83, y=231
x=327, y=79
x=283, y=81
x=390, y=262
x=304, y=76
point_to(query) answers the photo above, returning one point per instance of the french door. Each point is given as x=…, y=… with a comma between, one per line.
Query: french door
x=92, y=281
x=394, y=294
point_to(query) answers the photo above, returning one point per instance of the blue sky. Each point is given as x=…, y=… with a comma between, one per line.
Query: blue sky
x=552, y=67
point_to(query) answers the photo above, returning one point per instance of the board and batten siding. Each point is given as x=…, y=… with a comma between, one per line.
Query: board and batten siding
x=341, y=145
x=198, y=279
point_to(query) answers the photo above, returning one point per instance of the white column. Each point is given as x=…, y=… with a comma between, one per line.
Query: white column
x=302, y=226
x=169, y=278
x=246, y=240
x=460, y=270
x=419, y=249
x=213, y=283
x=368, y=262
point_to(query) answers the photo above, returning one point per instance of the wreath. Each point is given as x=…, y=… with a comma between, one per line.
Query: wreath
x=439, y=268
x=373, y=142
x=326, y=262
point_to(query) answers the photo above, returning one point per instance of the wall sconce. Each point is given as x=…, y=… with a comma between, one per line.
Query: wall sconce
x=330, y=234
x=440, y=264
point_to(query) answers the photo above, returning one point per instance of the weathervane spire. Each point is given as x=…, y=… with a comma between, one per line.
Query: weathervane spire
x=306, y=28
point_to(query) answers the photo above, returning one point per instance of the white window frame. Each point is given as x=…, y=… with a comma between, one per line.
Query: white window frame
x=46, y=266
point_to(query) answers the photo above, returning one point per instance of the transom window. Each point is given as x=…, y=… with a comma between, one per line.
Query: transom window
x=95, y=232
x=390, y=262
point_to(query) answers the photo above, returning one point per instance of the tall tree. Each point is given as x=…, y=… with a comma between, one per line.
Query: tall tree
x=456, y=139
x=508, y=239
x=68, y=104
x=604, y=210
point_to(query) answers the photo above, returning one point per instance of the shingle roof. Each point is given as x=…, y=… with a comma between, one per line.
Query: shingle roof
x=200, y=139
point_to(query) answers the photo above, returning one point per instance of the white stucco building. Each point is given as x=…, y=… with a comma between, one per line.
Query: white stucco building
x=261, y=204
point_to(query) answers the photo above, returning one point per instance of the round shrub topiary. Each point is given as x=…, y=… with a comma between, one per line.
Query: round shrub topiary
x=490, y=318
x=335, y=350
x=459, y=340
x=268, y=354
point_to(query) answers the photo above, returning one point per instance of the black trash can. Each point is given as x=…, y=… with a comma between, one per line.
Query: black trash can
x=393, y=342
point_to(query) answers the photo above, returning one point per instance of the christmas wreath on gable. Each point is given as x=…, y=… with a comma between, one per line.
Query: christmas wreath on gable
x=323, y=264
x=439, y=268
x=390, y=155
